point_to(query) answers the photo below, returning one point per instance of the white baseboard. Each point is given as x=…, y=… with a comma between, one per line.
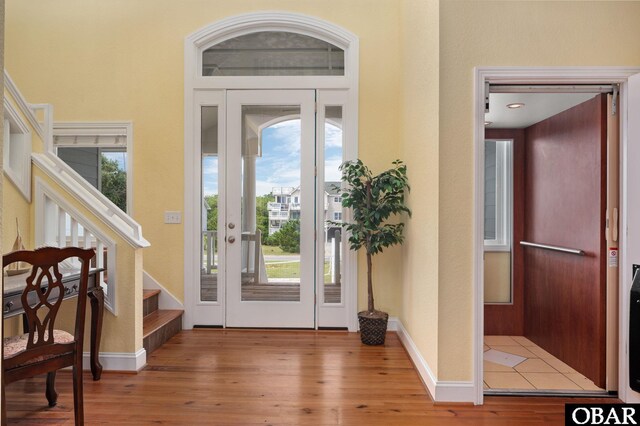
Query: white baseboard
x=118, y=361
x=166, y=300
x=441, y=391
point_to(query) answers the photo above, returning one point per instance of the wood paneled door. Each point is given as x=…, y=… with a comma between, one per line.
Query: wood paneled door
x=565, y=201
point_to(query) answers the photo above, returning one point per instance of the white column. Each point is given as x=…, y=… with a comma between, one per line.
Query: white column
x=249, y=194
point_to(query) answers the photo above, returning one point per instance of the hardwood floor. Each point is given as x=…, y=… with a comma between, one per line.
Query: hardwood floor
x=208, y=376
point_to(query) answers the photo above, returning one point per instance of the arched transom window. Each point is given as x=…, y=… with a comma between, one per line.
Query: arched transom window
x=273, y=53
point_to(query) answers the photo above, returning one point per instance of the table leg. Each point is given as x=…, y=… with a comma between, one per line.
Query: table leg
x=96, y=297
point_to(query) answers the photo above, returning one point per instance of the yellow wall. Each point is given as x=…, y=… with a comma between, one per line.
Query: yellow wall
x=492, y=33
x=419, y=131
x=497, y=277
x=124, y=60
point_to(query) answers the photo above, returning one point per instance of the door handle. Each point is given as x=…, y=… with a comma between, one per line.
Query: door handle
x=615, y=224
x=231, y=239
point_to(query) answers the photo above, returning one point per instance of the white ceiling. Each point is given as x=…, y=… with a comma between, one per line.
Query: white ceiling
x=538, y=106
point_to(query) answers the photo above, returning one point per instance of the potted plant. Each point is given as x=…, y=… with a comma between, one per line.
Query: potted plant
x=373, y=200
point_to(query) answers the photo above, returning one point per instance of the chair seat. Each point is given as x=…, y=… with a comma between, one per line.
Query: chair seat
x=16, y=344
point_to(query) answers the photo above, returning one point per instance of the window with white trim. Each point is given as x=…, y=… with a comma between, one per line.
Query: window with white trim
x=497, y=194
x=101, y=154
x=16, y=148
x=273, y=53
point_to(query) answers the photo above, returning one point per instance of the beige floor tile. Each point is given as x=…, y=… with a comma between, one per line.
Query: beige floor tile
x=534, y=365
x=492, y=366
x=502, y=380
x=551, y=381
x=486, y=348
x=515, y=350
x=582, y=381
x=523, y=341
x=498, y=340
x=560, y=366
x=539, y=352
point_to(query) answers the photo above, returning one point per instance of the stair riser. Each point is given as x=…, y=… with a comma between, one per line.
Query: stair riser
x=150, y=305
x=160, y=336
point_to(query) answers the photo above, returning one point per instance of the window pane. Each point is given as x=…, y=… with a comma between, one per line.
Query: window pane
x=333, y=157
x=104, y=168
x=490, y=190
x=272, y=53
x=271, y=197
x=209, y=215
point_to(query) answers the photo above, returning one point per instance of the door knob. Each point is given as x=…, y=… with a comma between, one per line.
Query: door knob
x=232, y=225
x=231, y=239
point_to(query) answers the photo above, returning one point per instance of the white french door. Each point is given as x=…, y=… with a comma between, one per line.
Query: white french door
x=268, y=248
x=270, y=160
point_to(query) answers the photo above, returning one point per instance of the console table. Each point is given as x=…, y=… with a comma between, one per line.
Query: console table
x=13, y=286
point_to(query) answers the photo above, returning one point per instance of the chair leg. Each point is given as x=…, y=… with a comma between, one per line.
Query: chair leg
x=78, y=407
x=52, y=395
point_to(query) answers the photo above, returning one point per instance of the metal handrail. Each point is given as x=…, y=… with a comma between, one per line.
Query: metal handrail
x=553, y=248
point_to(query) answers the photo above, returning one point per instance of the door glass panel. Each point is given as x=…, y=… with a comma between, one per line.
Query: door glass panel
x=333, y=157
x=209, y=216
x=271, y=201
x=272, y=53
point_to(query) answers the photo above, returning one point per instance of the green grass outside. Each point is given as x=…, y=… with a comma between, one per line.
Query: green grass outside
x=292, y=270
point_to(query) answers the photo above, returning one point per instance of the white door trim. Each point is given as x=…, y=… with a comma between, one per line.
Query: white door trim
x=244, y=24
x=545, y=75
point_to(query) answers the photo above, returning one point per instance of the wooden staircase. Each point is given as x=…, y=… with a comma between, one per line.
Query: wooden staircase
x=158, y=325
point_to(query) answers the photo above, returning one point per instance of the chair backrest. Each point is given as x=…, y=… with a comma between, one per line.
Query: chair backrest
x=43, y=293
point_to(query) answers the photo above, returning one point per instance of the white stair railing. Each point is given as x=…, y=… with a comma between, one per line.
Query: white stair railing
x=59, y=224
x=91, y=198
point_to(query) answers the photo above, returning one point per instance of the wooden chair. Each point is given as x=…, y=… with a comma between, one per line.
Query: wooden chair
x=44, y=349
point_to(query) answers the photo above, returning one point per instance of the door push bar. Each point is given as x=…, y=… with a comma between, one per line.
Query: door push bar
x=553, y=248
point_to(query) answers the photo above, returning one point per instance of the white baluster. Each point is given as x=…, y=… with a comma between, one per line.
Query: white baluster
x=99, y=254
x=62, y=228
x=74, y=232
x=87, y=238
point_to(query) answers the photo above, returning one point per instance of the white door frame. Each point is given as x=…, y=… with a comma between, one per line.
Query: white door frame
x=294, y=314
x=194, y=83
x=550, y=75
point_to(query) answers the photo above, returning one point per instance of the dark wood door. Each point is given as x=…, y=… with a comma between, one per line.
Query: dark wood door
x=565, y=201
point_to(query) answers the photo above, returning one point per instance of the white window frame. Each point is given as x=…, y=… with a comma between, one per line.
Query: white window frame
x=504, y=197
x=98, y=135
x=343, y=88
x=337, y=215
x=16, y=149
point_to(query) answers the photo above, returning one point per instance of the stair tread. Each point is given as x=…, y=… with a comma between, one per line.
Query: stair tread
x=149, y=293
x=157, y=319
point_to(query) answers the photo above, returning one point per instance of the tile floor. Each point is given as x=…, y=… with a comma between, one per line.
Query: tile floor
x=538, y=371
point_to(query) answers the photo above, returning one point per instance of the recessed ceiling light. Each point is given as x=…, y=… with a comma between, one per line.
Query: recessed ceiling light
x=515, y=105
x=487, y=123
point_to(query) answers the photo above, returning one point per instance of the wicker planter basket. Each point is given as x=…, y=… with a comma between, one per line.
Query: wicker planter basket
x=373, y=329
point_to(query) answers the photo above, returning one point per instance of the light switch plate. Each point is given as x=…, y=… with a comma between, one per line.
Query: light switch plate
x=172, y=217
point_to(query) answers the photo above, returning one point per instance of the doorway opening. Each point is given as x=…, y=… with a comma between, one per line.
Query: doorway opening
x=551, y=203
x=271, y=112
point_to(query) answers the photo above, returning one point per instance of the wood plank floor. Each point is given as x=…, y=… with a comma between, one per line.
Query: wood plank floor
x=251, y=377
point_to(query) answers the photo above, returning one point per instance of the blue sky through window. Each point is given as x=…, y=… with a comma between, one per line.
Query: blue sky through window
x=279, y=165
